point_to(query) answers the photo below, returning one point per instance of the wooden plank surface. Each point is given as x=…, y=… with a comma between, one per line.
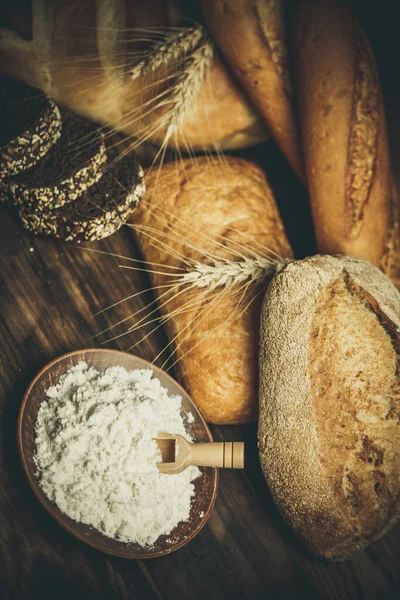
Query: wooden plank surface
x=49, y=293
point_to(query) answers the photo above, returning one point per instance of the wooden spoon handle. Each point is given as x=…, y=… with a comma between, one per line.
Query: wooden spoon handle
x=226, y=455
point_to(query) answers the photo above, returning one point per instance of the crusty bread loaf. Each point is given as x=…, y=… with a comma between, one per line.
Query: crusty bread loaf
x=117, y=62
x=196, y=211
x=251, y=35
x=390, y=261
x=329, y=431
x=343, y=131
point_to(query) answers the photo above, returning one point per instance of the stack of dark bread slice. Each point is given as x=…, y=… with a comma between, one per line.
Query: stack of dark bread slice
x=61, y=172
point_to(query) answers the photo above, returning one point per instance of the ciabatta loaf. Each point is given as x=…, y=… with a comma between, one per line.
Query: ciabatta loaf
x=208, y=230
x=343, y=130
x=329, y=427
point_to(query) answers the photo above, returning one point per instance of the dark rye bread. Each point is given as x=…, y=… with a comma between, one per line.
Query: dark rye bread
x=30, y=124
x=4, y=197
x=329, y=427
x=74, y=163
x=99, y=212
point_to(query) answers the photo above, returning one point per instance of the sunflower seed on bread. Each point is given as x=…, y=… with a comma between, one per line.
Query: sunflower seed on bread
x=30, y=126
x=74, y=163
x=101, y=210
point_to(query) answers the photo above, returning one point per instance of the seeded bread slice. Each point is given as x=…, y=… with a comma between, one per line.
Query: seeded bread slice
x=30, y=126
x=74, y=164
x=99, y=212
x=4, y=193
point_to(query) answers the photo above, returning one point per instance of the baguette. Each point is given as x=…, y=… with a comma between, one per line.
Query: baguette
x=119, y=63
x=329, y=430
x=221, y=216
x=251, y=35
x=343, y=130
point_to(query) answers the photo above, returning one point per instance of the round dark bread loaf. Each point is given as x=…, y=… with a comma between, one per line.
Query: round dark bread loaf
x=74, y=163
x=30, y=124
x=329, y=427
x=99, y=212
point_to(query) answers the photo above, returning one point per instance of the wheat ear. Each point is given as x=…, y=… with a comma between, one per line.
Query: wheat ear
x=229, y=273
x=193, y=51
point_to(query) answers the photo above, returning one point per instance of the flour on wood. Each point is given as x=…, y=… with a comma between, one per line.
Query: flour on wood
x=96, y=456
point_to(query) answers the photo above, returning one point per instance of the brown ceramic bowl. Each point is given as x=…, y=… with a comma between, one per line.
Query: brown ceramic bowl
x=205, y=485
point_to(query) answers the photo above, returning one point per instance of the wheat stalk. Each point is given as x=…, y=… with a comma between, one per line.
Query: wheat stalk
x=169, y=50
x=193, y=51
x=229, y=273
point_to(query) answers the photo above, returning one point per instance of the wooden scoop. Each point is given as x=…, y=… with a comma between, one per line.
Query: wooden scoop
x=177, y=454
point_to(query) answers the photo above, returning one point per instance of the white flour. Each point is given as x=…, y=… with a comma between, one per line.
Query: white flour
x=96, y=458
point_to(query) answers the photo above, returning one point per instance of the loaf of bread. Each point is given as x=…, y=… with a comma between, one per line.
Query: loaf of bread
x=121, y=64
x=222, y=218
x=329, y=430
x=251, y=35
x=343, y=131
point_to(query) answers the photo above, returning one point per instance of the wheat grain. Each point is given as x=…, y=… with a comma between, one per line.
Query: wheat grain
x=173, y=47
x=229, y=273
x=193, y=51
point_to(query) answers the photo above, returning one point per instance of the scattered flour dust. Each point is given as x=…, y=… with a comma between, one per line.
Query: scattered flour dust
x=96, y=458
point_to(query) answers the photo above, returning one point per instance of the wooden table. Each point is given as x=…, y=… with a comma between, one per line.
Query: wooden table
x=49, y=293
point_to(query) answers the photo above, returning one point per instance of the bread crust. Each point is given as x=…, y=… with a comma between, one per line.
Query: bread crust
x=82, y=57
x=251, y=35
x=390, y=261
x=329, y=433
x=193, y=209
x=343, y=131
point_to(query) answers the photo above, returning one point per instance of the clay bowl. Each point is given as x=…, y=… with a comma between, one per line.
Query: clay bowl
x=205, y=485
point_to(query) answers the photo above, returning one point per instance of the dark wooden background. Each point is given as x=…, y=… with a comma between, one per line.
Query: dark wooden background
x=49, y=292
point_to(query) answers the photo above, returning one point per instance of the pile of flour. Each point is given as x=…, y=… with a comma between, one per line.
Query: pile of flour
x=96, y=458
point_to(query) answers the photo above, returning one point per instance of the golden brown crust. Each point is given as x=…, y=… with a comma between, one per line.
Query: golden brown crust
x=363, y=138
x=390, y=262
x=251, y=36
x=354, y=396
x=81, y=56
x=343, y=131
x=329, y=428
x=194, y=209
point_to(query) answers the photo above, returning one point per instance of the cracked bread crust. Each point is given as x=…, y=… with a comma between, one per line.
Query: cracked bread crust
x=363, y=137
x=269, y=15
x=329, y=427
x=343, y=131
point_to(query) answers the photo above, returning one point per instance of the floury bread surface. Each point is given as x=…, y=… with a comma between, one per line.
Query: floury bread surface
x=329, y=431
x=194, y=210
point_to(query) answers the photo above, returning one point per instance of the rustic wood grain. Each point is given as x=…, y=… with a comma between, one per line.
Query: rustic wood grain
x=49, y=292
x=47, y=300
